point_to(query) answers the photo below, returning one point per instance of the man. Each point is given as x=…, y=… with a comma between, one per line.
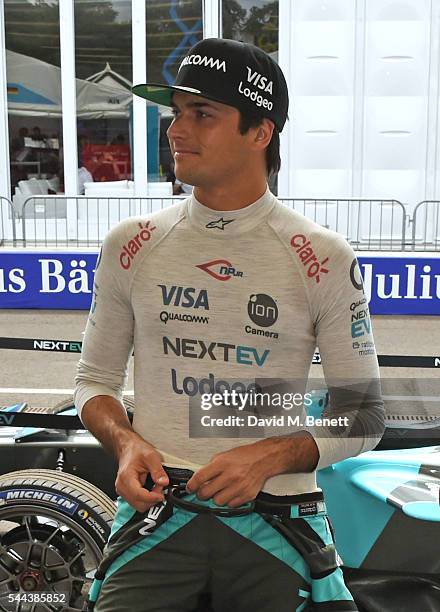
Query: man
x=227, y=291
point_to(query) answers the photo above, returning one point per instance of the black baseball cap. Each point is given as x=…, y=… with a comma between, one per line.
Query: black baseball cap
x=231, y=72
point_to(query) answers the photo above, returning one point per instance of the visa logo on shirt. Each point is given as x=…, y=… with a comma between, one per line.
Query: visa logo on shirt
x=186, y=297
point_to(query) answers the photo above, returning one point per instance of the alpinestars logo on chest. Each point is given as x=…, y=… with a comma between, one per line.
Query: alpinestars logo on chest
x=219, y=224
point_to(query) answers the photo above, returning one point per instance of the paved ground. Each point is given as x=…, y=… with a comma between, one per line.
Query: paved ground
x=33, y=372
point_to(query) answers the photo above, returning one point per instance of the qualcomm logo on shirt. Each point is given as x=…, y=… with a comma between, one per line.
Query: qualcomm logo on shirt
x=198, y=349
x=184, y=297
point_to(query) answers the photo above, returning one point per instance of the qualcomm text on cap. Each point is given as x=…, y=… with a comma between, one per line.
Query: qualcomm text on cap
x=203, y=60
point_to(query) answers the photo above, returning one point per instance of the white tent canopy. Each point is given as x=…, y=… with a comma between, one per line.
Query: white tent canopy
x=37, y=87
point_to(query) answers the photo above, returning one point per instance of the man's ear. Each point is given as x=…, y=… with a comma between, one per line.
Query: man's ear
x=263, y=133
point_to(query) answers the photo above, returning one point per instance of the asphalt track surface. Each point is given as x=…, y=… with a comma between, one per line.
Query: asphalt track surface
x=43, y=379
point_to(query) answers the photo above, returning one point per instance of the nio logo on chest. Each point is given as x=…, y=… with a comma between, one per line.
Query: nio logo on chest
x=216, y=351
x=185, y=297
x=220, y=269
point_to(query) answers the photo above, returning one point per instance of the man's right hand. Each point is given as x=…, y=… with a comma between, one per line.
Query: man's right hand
x=136, y=461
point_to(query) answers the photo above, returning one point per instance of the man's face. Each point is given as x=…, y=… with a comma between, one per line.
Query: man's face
x=205, y=141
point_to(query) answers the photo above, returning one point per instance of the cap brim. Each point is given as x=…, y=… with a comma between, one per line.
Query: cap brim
x=161, y=94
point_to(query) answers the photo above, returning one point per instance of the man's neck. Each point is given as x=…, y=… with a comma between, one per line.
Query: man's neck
x=228, y=198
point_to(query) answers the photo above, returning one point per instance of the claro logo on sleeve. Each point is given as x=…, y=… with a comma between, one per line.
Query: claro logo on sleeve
x=304, y=249
x=134, y=245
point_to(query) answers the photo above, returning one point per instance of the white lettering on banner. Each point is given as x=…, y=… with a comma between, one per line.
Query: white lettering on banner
x=53, y=269
x=430, y=284
x=55, y=273
x=426, y=282
x=80, y=279
x=368, y=280
x=16, y=283
x=395, y=285
x=411, y=283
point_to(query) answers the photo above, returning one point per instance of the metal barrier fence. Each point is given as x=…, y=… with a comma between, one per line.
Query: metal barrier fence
x=80, y=221
x=368, y=225
x=426, y=226
x=83, y=221
x=7, y=222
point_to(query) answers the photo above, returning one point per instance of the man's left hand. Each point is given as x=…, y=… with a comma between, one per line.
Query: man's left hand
x=236, y=476
x=233, y=477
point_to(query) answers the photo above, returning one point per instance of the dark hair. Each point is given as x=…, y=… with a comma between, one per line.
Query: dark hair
x=273, y=160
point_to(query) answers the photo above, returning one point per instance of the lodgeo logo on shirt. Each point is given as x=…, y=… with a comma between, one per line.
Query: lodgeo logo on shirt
x=257, y=80
x=134, y=245
x=198, y=349
x=203, y=60
x=225, y=270
x=308, y=258
x=192, y=386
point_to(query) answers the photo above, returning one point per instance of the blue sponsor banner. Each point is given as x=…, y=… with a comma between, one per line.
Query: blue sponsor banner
x=57, y=280
x=402, y=285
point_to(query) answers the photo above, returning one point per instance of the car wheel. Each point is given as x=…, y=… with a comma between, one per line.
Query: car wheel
x=53, y=528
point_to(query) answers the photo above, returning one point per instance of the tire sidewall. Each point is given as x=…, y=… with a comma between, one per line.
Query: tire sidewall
x=61, y=502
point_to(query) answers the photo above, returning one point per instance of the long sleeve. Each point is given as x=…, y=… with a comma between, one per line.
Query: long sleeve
x=108, y=340
x=345, y=340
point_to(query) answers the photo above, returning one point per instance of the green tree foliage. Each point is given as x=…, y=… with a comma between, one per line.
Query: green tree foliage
x=258, y=25
x=101, y=36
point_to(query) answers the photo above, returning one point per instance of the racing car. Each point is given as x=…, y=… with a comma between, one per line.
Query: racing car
x=55, y=517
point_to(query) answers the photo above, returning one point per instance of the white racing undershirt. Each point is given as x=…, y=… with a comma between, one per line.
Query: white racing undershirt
x=236, y=296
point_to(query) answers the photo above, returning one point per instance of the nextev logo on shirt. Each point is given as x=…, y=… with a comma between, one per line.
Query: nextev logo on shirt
x=134, y=245
x=220, y=269
x=303, y=248
x=216, y=351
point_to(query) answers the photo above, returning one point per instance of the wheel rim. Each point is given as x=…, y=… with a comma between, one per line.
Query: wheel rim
x=45, y=551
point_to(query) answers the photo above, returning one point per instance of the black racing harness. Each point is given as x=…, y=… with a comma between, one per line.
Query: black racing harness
x=321, y=558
